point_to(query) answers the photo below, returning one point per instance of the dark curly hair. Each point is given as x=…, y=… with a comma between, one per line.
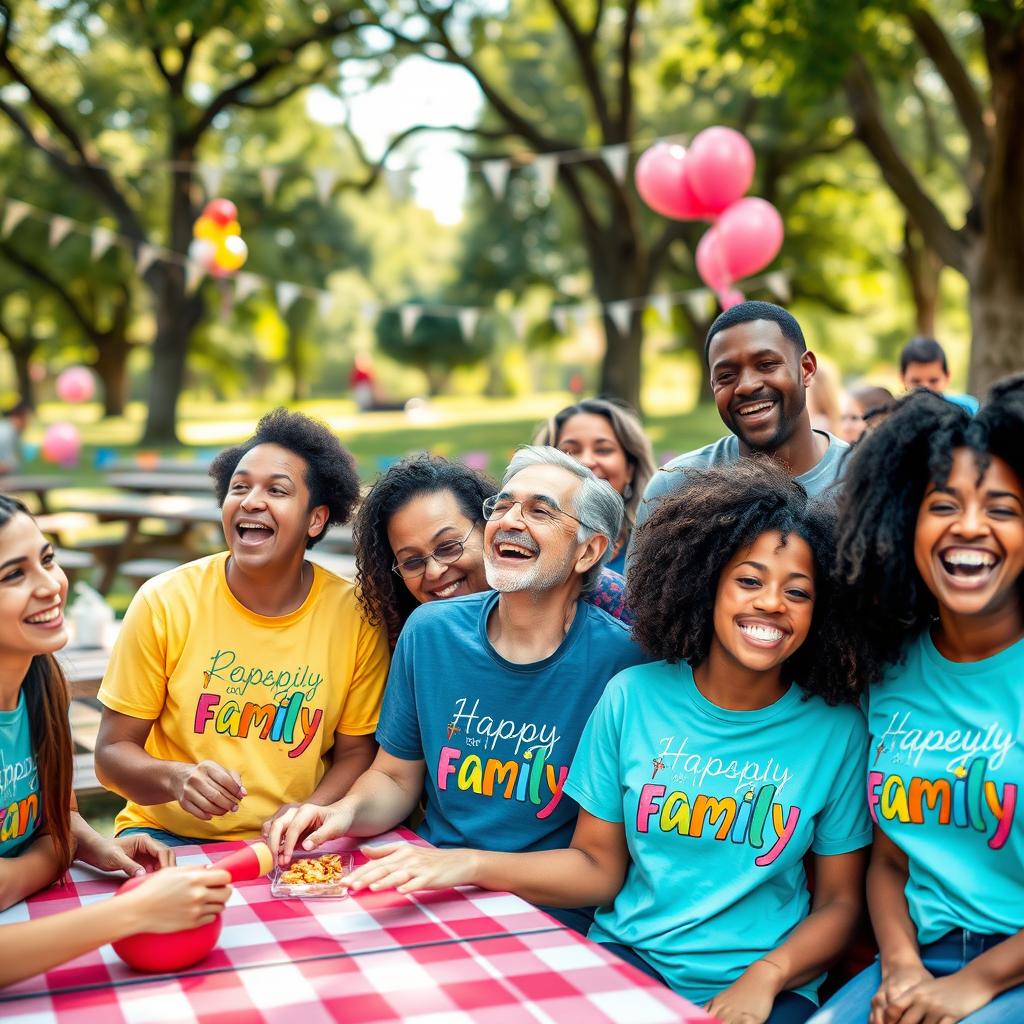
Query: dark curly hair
x=331, y=475
x=690, y=536
x=383, y=595
x=886, y=477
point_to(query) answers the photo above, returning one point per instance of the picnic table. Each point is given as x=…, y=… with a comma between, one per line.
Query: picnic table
x=159, y=464
x=39, y=485
x=459, y=955
x=143, y=482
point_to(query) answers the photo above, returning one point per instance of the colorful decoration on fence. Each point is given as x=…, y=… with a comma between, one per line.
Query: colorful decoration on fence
x=217, y=244
x=708, y=182
x=75, y=384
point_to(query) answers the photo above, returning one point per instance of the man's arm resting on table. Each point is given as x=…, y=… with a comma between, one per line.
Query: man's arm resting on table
x=205, y=790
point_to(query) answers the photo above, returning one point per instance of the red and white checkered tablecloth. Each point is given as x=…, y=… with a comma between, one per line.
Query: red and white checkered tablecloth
x=429, y=958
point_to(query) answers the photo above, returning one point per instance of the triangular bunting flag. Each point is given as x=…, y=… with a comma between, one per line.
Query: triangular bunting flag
x=324, y=179
x=546, y=169
x=14, y=214
x=59, y=229
x=468, y=319
x=778, y=284
x=700, y=304
x=324, y=304
x=270, y=177
x=102, y=239
x=410, y=317
x=662, y=305
x=620, y=313
x=194, y=274
x=560, y=318
x=518, y=320
x=496, y=173
x=145, y=257
x=287, y=292
x=617, y=159
x=245, y=285
x=211, y=176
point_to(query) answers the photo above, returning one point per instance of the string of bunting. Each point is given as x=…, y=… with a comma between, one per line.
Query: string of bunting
x=700, y=301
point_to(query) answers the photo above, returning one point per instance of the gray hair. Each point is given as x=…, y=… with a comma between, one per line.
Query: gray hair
x=596, y=503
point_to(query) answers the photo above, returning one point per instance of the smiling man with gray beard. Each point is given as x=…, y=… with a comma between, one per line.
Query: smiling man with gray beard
x=488, y=694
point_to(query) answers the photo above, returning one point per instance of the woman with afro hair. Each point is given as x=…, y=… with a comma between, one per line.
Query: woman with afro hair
x=932, y=541
x=704, y=778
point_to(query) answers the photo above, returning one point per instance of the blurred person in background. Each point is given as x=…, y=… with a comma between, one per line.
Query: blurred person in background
x=609, y=439
x=824, y=401
x=923, y=365
x=863, y=407
x=12, y=426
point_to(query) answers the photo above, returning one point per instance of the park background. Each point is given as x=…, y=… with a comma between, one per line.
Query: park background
x=448, y=187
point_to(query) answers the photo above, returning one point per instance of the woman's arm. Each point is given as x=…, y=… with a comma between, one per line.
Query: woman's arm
x=809, y=949
x=35, y=868
x=167, y=901
x=590, y=872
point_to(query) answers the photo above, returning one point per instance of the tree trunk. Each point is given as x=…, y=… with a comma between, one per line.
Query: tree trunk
x=296, y=364
x=21, y=356
x=923, y=268
x=620, y=368
x=996, y=266
x=111, y=367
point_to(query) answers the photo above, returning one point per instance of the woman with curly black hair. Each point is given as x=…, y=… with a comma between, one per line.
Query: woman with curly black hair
x=249, y=679
x=704, y=778
x=932, y=541
x=419, y=537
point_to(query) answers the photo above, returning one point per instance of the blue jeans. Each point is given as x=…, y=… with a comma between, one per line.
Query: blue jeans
x=852, y=1003
x=789, y=1008
x=167, y=838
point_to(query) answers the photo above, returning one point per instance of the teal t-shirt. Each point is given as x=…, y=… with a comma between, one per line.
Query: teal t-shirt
x=20, y=805
x=719, y=808
x=944, y=773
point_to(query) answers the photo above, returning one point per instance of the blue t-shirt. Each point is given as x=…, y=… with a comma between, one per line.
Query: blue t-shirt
x=498, y=738
x=20, y=804
x=726, y=449
x=719, y=808
x=944, y=773
x=968, y=402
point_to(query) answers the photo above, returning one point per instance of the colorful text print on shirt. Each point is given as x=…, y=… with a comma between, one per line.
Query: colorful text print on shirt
x=755, y=818
x=18, y=817
x=528, y=776
x=282, y=717
x=911, y=742
x=965, y=800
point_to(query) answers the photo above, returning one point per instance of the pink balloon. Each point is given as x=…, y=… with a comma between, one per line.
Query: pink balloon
x=719, y=167
x=730, y=297
x=750, y=234
x=61, y=444
x=710, y=260
x=661, y=180
x=76, y=384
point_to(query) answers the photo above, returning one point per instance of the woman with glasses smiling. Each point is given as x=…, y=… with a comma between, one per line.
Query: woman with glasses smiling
x=419, y=538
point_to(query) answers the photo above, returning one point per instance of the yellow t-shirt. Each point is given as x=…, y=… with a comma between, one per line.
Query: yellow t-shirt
x=261, y=695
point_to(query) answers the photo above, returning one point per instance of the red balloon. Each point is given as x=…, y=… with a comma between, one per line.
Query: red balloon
x=719, y=167
x=710, y=260
x=750, y=235
x=166, y=952
x=730, y=297
x=221, y=211
x=661, y=180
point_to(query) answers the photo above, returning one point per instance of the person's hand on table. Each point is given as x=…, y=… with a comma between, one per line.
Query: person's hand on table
x=938, y=1001
x=178, y=898
x=749, y=999
x=408, y=868
x=134, y=855
x=311, y=823
x=207, y=790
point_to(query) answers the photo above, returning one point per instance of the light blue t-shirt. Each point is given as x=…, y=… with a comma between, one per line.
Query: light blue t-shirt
x=20, y=805
x=968, y=402
x=726, y=449
x=719, y=808
x=497, y=737
x=944, y=777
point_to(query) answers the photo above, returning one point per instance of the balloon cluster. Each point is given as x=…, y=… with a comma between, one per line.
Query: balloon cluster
x=62, y=442
x=217, y=244
x=708, y=182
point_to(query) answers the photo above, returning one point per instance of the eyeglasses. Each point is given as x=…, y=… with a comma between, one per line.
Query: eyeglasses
x=444, y=554
x=535, y=510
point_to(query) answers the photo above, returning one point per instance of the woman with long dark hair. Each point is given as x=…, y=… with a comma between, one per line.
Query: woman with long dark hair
x=40, y=833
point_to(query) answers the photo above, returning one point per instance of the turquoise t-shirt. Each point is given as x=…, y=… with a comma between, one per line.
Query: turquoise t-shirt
x=944, y=772
x=719, y=808
x=20, y=805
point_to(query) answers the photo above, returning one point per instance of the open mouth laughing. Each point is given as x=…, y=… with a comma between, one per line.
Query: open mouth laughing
x=514, y=547
x=253, y=532
x=968, y=568
x=761, y=633
x=753, y=413
x=51, y=618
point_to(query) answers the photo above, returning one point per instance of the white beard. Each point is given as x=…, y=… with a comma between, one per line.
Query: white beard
x=535, y=577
